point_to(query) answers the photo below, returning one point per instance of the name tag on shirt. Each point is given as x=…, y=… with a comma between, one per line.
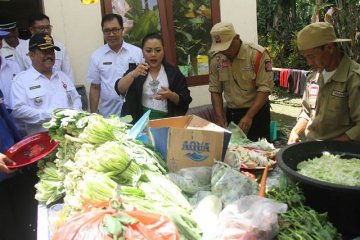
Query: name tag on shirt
x=34, y=87
x=107, y=63
x=339, y=94
x=247, y=68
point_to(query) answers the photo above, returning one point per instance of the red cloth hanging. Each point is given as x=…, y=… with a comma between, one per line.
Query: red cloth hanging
x=284, y=75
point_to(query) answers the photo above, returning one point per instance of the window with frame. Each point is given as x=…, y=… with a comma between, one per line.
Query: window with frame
x=184, y=25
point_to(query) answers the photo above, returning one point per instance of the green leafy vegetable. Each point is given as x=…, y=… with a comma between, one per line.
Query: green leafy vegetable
x=333, y=169
x=299, y=221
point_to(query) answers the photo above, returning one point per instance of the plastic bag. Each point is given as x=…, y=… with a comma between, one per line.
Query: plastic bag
x=192, y=179
x=229, y=184
x=86, y=225
x=237, y=135
x=248, y=158
x=206, y=213
x=251, y=217
x=151, y=226
x=197, y=197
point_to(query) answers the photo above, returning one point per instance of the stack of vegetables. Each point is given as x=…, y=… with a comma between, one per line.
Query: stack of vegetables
x=300, y=221
x=96, y=161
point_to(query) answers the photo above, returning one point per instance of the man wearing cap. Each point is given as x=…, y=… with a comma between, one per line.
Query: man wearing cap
x=40, y=23
x=242, y=71
x=307, y=113
x=12, y=40
x=8, y=131
x=39, y=90
x=8, y=70
x=337, y=112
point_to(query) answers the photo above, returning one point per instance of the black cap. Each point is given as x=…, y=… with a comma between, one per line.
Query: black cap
x=7, y=23
x=42, y=41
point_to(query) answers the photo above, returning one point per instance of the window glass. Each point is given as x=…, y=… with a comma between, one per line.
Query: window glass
x=192, y=25
x=140, y=18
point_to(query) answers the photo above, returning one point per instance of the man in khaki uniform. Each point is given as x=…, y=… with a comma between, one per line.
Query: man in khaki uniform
x=307, y=113
x=337, y=112
x=243, y=72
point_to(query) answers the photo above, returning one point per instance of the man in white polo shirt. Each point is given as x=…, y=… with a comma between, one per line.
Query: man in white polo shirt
x=40, y=23
x=109, y=63
x=36, y=92
x=8, y=70
x=12, y=40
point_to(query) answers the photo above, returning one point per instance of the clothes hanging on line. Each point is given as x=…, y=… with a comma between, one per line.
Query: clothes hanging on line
x=294, y=80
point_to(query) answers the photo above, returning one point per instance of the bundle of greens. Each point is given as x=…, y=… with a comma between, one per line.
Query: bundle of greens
x=96, y=161
x=300, y=221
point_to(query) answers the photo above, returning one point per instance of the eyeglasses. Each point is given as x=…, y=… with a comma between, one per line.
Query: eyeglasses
x=112, y=30
x=43, y=28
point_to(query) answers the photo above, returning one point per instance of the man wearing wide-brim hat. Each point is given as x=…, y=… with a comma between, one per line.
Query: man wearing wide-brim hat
x=242, y=72
x=337, y=111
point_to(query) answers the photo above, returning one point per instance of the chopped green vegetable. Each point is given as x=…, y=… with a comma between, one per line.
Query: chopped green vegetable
x=333, y=169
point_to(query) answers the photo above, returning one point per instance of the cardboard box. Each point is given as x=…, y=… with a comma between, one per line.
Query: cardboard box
x=189, y=141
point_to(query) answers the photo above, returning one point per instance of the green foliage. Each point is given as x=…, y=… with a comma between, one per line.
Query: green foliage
x=278, y=22
x=145, y=21
x=346, y=23
x=192, y=24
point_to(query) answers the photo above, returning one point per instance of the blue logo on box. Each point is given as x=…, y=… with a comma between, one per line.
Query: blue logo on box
x=196, y=147
x=196, y=157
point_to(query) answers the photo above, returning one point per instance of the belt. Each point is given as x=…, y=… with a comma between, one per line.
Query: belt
x=236, y=109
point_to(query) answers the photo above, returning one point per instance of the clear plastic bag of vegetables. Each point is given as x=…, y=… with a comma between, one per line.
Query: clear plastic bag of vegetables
x=192, y=179
x=229, y=184
x=251, y=217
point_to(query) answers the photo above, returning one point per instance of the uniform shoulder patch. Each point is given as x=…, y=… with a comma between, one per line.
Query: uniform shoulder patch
x=268, y=65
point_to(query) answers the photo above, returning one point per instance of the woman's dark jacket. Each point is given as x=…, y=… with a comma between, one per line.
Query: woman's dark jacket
x=177, y=83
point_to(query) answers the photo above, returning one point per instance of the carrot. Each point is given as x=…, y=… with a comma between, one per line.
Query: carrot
x=263, y=182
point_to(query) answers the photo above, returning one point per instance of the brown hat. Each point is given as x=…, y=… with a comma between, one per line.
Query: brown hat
x=222, y=35
x=316, y=35
x=42, y=41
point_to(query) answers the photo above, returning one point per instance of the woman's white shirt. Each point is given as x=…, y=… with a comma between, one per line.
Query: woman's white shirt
x=151, y=87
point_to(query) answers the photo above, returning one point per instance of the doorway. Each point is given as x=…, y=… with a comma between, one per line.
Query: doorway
x=20, y=11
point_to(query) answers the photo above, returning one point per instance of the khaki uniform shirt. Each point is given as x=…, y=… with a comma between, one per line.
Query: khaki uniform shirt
x=338, y=108
x=238, y=79
x=310, y=96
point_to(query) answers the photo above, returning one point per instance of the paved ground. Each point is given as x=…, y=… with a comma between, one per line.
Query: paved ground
x=284, y=109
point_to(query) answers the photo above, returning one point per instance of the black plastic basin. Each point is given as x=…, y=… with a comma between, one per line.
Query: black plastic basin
x=341, y=202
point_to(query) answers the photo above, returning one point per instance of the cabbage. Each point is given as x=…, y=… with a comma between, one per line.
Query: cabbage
x=333, y=169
